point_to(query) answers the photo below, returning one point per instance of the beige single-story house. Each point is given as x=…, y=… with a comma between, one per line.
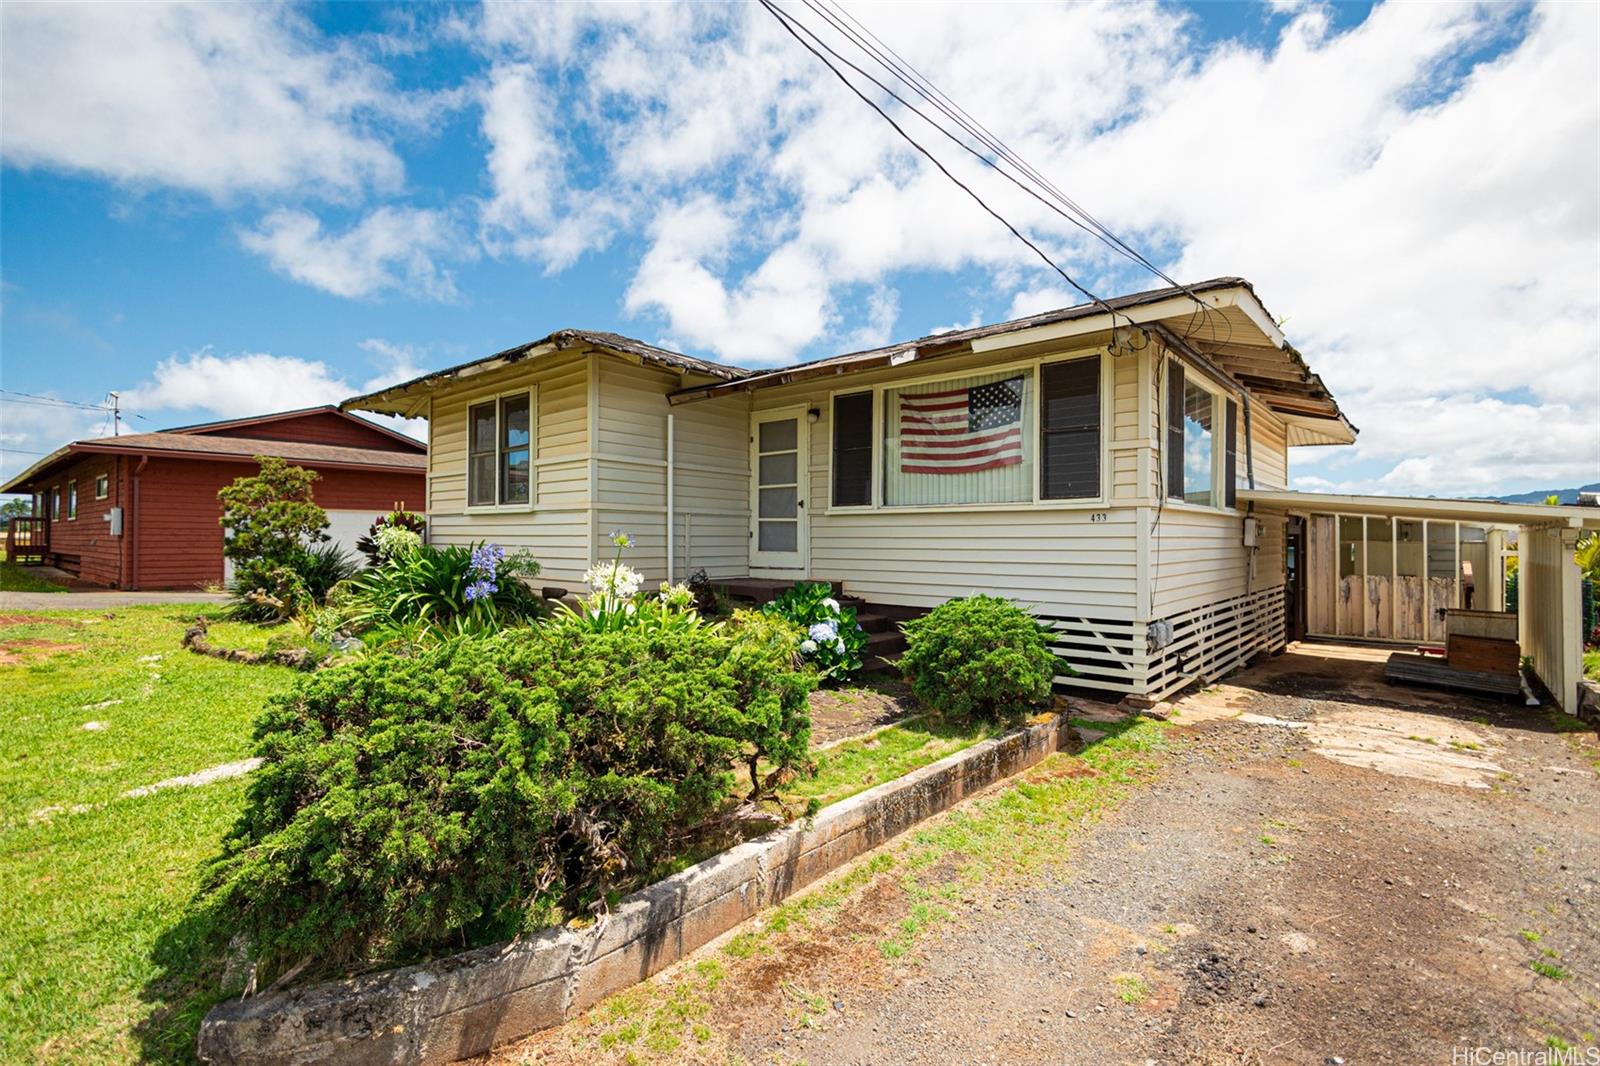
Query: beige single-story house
x=1120, y=468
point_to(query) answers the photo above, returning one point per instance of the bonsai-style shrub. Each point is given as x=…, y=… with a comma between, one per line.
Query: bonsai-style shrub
x=273, y=524
x=981, y=656
x=487, y=785
x=834, y=644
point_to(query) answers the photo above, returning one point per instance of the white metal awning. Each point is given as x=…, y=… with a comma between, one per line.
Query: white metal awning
x=1482, y=512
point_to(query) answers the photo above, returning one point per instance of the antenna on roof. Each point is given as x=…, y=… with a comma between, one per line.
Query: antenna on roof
x=116, y=413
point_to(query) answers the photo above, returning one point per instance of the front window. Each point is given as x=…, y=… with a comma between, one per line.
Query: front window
x=962, y=440
x=500, y=452
x=102, y=486
x=1198, y=411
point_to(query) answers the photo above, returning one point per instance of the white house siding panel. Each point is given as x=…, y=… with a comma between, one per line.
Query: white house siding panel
x=1199, y=557
x=555, y=529
x=711, y=491
x=1270, y=440
x=1129, y=427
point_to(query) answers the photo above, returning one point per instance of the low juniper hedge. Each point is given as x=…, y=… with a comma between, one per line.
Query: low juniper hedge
x=982, y=656
x=478, y=787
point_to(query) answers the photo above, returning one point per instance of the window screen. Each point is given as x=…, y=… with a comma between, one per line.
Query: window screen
x=1069, y=429
x=481, y=455
x=515, y=449
x=852, y=450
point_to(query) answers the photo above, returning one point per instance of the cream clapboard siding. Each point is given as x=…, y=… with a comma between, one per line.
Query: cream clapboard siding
x=1198, y=556
x=1270, y=440
x=711, y=486
x=1052, y=559
x=556, y=527
x=1549, y=618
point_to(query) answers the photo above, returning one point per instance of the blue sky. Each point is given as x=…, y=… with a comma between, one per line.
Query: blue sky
x=219, y=210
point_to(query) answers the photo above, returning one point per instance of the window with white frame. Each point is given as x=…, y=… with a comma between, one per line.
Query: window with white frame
x=1202, y=440
x=960, y=441
x=500, y=451
x=102, y=486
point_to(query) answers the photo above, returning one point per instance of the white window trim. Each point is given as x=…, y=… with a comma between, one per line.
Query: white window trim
x=1219, y=446
x=1076, y=503
x=99, y=478
x=72, y=499
x=532, y=392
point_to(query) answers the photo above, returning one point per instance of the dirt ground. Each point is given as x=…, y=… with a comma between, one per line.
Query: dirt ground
x=1325, y=869
x=841, y=713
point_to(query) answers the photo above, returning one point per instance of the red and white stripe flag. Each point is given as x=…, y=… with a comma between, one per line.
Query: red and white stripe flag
x=960, y=431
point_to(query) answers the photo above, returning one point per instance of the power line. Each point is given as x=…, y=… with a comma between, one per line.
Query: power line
x=38, y=400
x=784, y=21
x=904, y=72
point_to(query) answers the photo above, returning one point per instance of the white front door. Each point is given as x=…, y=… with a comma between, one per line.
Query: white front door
x=778, y=489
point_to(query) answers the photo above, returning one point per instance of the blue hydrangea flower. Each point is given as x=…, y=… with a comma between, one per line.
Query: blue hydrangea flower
x=481, y=590
x=824, y=632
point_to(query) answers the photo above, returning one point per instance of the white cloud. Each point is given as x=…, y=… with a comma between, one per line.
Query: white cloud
x=1425, y=219
x=393, y=248
x=212, y=98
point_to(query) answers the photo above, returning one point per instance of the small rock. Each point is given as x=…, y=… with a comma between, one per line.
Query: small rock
x=1261, y=1001
x=1140, y=950
x=1249, y=928
x=1072, y=1014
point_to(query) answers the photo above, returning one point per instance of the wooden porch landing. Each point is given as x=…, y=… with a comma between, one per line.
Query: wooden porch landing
x=1406, y=666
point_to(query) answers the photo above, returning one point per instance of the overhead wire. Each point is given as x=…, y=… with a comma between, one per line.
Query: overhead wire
x=35, y=400
x=1064, y=206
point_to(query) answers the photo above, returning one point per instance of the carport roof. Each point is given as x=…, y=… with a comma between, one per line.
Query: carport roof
x=1487, y=512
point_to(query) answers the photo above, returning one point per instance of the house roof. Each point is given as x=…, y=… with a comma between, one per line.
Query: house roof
x=405, y=397
x=1229, y=327
x=299, y=412
x=195, y=446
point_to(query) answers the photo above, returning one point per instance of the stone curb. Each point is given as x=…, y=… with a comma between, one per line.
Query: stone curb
x=465, y=1004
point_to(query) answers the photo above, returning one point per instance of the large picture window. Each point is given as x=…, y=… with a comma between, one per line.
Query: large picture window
x=500, y=452
x=961, y=440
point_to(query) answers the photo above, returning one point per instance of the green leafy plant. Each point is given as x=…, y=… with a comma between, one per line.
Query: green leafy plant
x=271, y=516
x=397, y=519
x=482, y=786
x=834, y=644
x=440, y=591
x=981, y=655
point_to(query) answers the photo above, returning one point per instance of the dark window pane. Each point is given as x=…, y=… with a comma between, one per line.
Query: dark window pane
x=1069, y=420
x=779, y=469
x=481, y=421
x=514, y=420
x=783, y=435
x=1174, y=442
x=852, y=450
x=778, y=536
x=480, y=481
x=779, y=503
x=514, y=472
x=1230, y=473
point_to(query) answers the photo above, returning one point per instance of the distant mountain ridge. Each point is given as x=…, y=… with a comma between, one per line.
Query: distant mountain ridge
x=1562, y=495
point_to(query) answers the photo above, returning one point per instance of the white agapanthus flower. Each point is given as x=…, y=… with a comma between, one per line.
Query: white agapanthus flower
x=676, y=596
x=616, y=579
x=396, y=541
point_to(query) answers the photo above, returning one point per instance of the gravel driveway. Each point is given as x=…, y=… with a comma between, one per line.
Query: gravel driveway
x=1325, y=869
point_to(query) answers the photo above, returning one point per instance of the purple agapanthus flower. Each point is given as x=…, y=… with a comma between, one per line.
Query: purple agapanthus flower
x=481, y=590
x=486, y=559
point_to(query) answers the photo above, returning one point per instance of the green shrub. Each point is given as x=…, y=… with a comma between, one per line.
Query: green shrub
x=262, y=590
x=486, y=785
x=271, y=515
x=834, y=644
x=982, y=655
x=448, y=591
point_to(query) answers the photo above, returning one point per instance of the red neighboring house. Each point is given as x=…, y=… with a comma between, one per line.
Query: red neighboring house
x=140, y=511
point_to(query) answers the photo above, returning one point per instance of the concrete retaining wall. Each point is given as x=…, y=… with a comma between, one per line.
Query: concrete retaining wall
x=465, y=1004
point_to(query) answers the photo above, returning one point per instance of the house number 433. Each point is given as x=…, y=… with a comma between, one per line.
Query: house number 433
x=1097, y=516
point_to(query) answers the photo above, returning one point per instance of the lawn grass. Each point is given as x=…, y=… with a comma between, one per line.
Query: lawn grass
x=856, y=765
x=87, y=896
x=1022, y=828
x=14, y=578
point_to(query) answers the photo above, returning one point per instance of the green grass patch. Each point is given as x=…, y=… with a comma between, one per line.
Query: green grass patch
x=1131, y=988
x=1012, y=833
x=94, y=968
x=1591, y=664
x=857, y=765
x=14, y=578
x=1546, y=968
